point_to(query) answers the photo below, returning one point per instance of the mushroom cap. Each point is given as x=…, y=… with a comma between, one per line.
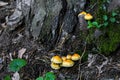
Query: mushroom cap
x=75, y=57
x=64, y=58
x=55, y=66
x=82, y=13
x=68, y=56
x=56, y=59
x=88, y=16
x=67, y=63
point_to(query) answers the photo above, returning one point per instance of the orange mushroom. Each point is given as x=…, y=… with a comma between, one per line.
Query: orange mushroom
x=68, y=56
x=67, y=63
x=75, y=57
x=55, y=66
x=56, y=59
x=88, y=16
x=82, y=13
x=64, y=58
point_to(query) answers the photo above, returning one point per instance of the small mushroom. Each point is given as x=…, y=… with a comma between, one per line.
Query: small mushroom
x=56, y=59
x=64, y=58
x=75, y=57
x=55, y=66
x=68, y=56
x=67, y=63
x=88, y=16
x=82, y=13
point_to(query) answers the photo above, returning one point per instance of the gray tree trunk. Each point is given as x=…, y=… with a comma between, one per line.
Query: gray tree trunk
x=52, y=22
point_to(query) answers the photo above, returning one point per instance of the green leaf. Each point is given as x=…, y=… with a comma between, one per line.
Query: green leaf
x=50, y=76
x=98, y=26
x=112, y=19
x=89, y=24
x=17, y=64
x=105, y=24
x=95, y=23
x=89, y=27
x=7, y=77
x=114, y=14
x=105, y=17
x=40, y=78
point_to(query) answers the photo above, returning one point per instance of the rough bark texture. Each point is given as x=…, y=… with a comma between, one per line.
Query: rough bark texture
x=52, y=22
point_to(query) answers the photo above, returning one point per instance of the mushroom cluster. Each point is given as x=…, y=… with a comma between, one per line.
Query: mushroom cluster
x=65, y=61
x=87, y=16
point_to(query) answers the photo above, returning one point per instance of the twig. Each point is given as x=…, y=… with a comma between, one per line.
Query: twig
x=80, y=76
x=92, y=7
x=54, y=50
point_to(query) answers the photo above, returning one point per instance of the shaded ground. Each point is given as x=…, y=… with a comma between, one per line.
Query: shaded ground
x=38, y=62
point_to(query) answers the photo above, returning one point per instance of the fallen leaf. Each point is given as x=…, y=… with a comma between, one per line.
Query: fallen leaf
x=21, y=52
x=10, y=54
x=3, y=3
x=16, y=76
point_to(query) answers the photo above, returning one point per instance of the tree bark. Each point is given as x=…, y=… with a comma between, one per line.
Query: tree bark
x=53, y=23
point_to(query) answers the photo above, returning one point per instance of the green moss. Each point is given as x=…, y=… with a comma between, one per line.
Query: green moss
x=90, y=38
x=87, y=36
x=110, y=40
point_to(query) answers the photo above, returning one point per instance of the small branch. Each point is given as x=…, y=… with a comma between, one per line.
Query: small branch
x=80, y=76
x=92, y=7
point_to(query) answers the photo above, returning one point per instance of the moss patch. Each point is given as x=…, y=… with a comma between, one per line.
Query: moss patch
x=109, y=42
x=110, y=38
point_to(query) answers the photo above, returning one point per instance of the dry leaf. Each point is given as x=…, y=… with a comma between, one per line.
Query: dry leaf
x=10, y=54
x=21, y=52
x=16, y=76
x=3, y=3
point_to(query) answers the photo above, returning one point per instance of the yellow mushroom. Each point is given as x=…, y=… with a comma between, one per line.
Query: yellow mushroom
x=67, y=63
x=68, y=56
x=75, y=57
x=56, y=59
x=64, y=58
x=88, y=16
x=55, y=66
x=82, y=13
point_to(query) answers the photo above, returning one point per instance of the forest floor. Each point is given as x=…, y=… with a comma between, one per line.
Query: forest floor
x=38, y=59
